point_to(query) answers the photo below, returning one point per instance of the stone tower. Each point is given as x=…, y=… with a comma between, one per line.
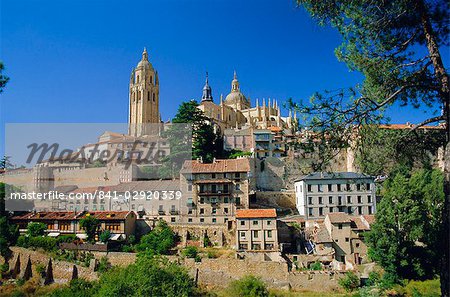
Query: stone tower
x=144, y=98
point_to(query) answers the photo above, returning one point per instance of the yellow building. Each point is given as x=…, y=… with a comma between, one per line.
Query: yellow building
x=236, y=111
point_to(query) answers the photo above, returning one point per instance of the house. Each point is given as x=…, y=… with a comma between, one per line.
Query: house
x=320, y=193
x=121, y=224
x=256, y=230
x=213, y=192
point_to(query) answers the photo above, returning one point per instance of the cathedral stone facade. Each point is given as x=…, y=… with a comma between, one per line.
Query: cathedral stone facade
x=143, y=98
x=236, y=110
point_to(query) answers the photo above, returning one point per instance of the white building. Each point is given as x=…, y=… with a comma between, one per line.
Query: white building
x=320, y=193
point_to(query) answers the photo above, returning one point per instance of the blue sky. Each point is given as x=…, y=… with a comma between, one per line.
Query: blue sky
x=70, y=61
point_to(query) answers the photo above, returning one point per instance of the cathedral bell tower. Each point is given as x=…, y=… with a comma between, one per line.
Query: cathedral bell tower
x=143, y=98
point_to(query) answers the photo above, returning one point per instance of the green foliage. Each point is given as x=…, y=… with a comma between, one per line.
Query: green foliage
x=131, y=239
x=40, y=268
x=36, y=229
x=190, y=252
x=44, y=242
x=76, y=288
x=4, y=268
x=405, y=237
x=8, y=236
x=90, y=225
x=349, y=282
x=428, y=288
x=104, y=236
x=206, y=241
x=315, y=266
x=103, y=265
x=249, y=286
x=234, y=154
x=150, y=277
x=159, y=241
x=3, y=78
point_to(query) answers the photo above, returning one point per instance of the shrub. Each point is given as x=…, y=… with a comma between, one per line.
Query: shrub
x=206, y=241
x=159, y=241
x=190, y=252
x=315, y=266
x=36, y=229
x=4, y=269
x=429, y=288
x=103, y=265
x=90, y=226
x=131, y=239
x=127, y=249
x=349, y=282
x=249, y=286
x=40, y=268
x=105, y=235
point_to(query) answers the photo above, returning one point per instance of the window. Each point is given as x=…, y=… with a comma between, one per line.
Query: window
x=269, y=222
x=357, y=244
x=359, y=199
x=213, y=175
x=64, y=226
x=238, y=187
x=358, y=187
x=310, y=211
x=339, y=187
x=368, y=187
x=330, y=187
x=202, y=210
x=154, y=97
x=370, y=210
x=320, y=211
x=309, y=188
x=255, y=233
x=243, y=246
x=225, y=199
x=202, y=220
x=330, y=199
x=214, y=220
x=190, y=210
x=238, y=201
x=349, y=199
x=310, y=200
x=242, y=223
x=256, y=246
x=214, y=210
x=339, y=226
x=347, y=239
x=269, y=233
x=190, y=220
x=189, y=188
x=225, y=210
x=339, y=200
x=349, y=210
x=172, y=220
x=369, y=199
x=255, y=223
x=237, y=175
x=360, y=210
x=243, y=235
x=320, y=188
x=112, y=226
x=202, y=200
x=320, y=200
x=348, y=187
x=331, y=209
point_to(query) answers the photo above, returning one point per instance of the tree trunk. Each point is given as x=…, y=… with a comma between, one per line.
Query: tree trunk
x=443, y=81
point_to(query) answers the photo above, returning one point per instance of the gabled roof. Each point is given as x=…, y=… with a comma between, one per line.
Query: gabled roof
x=338, y=217
x=334, y=175
x=225, y=165
x=256, y=213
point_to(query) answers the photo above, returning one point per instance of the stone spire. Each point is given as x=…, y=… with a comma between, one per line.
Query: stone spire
x=207, y=91
x=145, y=55
x=235, y=83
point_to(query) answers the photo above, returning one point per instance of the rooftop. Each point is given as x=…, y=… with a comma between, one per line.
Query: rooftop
x=256, y=213
x=338, y=217
x=334, y=175
x=225, y=165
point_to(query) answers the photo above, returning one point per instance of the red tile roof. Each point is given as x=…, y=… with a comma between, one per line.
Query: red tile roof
x=226, y=165
x=338, y=217
x=50, y=215
x=256, y=213
x=358, y=224
x=369, y=219
x=107, y=215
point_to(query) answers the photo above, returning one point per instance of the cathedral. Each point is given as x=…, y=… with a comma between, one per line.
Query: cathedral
x=143, y=99
x=236, y=110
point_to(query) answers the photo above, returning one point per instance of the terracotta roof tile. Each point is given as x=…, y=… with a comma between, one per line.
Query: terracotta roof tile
x=225, y=165
x=358, y=224
x=369, y=219
x=256, y=213
x=107, y=215
x=338, y=217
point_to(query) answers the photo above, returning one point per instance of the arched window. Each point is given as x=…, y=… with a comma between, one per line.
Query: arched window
x=154, y=97
x=148, y=96
x=151, y=79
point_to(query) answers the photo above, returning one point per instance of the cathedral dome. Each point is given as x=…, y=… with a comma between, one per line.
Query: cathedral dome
x=144, y=63
x=236, y=99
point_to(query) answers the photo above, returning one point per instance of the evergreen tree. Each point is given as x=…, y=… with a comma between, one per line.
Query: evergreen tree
x=396, y=46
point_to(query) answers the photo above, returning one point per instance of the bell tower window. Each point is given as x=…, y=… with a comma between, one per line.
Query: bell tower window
x=151, y=79
x=154, y=97
x=148, y=96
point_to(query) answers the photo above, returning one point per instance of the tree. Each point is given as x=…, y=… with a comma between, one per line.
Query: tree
x=35, y=229
x=203, y=137
x=90, y=225
x=249, y=286
x=5, y=163
x=104, y=236
x=3, y=78
x=8, y=236
x=159, y=241
x=396, y=46
x=349, y=282
x=405, y=237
